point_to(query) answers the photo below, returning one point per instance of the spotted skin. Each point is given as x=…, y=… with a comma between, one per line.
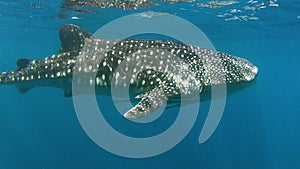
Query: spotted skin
x=84, y=5
x=78, y=5
x=156, y=71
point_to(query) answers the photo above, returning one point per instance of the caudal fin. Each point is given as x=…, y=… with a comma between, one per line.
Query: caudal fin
x=3, y=77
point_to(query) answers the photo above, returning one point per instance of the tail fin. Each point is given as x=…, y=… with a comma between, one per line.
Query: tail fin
x=3, y=77
x=23, y=89
x=7, y=77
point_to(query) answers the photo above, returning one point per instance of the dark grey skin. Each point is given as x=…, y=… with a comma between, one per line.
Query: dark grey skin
x=155, y=71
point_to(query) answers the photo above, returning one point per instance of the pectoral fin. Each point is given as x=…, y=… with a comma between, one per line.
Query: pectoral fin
x=23, y=89
x=149, y=103
x=68, y=93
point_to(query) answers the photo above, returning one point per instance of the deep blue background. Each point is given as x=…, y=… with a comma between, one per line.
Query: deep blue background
x=260, y=127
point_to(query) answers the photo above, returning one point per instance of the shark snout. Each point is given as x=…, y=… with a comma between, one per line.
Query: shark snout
x=250, y=70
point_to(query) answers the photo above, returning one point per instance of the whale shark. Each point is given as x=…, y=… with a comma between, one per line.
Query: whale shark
x=155, y=71
x=78, y=6
x=83, y=6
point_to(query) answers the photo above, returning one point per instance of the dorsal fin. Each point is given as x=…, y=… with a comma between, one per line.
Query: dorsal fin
x=22, y=63
x=72, y=38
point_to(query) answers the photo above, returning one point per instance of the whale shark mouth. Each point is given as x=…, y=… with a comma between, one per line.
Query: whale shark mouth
x=249, y=70
x=254, y=71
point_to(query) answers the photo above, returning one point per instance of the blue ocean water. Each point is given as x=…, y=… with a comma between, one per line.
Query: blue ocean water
x=259, y=128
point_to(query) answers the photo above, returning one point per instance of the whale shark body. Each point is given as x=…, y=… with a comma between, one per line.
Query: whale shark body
x=156, y=71
x=79, y=5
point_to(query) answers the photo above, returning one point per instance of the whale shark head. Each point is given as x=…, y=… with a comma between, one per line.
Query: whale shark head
x=238, y=69
x=241, y=74
x=247, y=69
